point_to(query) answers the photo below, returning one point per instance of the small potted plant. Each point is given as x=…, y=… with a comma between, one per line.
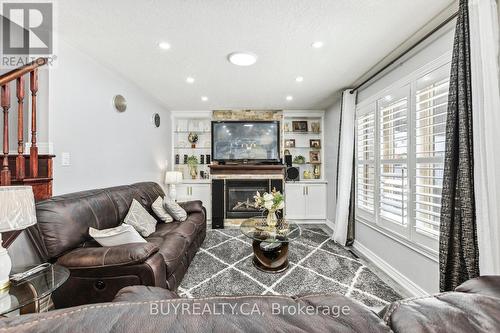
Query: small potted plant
x=192, y=162
x=299, y=159
x=271, y=202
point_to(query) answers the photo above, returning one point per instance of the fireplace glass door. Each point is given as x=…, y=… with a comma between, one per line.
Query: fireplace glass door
x=239, y=197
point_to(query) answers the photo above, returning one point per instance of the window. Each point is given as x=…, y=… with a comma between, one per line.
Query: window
x=400, y=144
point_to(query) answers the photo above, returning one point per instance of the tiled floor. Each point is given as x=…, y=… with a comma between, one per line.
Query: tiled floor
x=223, y=266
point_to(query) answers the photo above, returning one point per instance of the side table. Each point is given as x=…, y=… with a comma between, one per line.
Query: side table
x=32, y=294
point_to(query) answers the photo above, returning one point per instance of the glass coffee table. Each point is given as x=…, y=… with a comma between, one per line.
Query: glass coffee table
x=270, y=244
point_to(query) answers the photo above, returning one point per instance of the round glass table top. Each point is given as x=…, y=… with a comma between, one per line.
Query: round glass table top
x=32, y=288
x=257, y=229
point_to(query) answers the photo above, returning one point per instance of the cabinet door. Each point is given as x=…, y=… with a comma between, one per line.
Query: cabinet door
x=295, y=201
x=316, y=201
x=202, y=192
x=183, y=191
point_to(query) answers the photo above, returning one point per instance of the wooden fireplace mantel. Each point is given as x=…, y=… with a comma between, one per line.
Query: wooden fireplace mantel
x=246, y=169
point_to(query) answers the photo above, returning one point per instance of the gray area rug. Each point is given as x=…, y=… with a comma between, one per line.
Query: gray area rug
x=223, y=266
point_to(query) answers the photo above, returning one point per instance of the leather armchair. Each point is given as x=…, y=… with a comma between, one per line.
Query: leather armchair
x=149, y=309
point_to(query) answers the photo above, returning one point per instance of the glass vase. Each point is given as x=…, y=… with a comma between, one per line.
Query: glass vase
x=193, y=170
x=272, y=219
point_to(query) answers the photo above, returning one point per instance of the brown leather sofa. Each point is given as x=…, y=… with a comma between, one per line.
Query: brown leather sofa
x=98, y=273
x=474, y=307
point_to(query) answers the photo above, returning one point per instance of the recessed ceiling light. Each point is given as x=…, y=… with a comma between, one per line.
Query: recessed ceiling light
x=190, y=79
x=289, y=97
x=204, y=98
x=388, y=98
x=299, y=79
x=242, y=58
x=317, y=44
x=164, y=45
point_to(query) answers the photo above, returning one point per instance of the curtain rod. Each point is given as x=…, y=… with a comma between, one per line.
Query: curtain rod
x=442, y=24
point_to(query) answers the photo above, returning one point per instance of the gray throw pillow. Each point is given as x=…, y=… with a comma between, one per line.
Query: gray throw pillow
x=173, y=208
x=140, y=219
x=162, y=214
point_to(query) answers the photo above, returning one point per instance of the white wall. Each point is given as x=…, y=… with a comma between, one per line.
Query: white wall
x=417, y=271
x=332, y=127
x=107, y=147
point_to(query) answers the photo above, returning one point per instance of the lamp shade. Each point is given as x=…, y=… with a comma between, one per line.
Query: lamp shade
x=173, y=177
x=17, y=208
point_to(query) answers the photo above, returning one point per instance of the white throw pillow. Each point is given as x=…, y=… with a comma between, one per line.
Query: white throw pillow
x=140, y=219
x=123, y=234
x=162, y=214
x=173, y=208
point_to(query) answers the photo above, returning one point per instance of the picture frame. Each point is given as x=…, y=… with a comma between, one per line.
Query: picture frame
x=315, y=143
x=299, y=126
x=314, y=157
x=290, y=143
x=315, y=127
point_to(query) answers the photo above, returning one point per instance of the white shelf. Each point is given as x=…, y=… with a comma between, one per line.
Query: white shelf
x=307, y=181
x=301, y=133
x=196, y=181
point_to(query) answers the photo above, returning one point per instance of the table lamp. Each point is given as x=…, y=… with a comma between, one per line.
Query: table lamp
x=172, y=178
x=17, y=212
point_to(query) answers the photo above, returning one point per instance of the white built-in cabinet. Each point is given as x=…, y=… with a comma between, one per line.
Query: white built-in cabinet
x=196, y=191
x=305, y=201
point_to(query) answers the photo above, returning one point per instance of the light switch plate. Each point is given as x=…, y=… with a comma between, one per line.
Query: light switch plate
x=65, y=159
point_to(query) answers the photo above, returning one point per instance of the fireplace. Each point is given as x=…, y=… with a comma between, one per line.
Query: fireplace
x=233, y=189
x=239, y=197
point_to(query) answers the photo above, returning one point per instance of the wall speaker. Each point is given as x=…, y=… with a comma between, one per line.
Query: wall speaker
x=288, y=160
x=292, y=173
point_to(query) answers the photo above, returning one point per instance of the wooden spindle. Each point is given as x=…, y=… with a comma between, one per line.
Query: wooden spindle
x=5, y=177
x=34, y=148
x=20, y=163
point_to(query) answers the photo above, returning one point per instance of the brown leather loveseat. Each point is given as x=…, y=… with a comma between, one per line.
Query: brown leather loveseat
x=98, y=273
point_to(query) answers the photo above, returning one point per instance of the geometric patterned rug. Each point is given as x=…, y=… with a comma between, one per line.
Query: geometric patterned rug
x=223, y=266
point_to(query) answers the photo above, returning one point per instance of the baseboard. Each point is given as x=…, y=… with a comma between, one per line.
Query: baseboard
x=308, y=221
x=330, y=225
x=406, y=283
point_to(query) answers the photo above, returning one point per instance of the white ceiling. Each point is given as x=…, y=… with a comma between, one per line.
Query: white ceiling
x=123, y=34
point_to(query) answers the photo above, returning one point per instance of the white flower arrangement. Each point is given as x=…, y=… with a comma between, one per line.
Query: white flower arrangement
x=270, y=201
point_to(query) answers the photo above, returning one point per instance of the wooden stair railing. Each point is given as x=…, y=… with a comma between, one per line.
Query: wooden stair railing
x=23, y=169
x=6, y=177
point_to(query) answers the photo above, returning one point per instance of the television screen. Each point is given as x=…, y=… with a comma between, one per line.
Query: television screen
x=245, y=140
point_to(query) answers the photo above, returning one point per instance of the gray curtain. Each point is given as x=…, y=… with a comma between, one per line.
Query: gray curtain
x=458, y=250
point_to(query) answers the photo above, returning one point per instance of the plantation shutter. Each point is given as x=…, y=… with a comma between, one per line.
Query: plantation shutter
x=393, y=127
x=366, y=161
x=430, y=132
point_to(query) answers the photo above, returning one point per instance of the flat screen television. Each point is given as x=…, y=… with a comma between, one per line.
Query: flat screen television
x=252, y=141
